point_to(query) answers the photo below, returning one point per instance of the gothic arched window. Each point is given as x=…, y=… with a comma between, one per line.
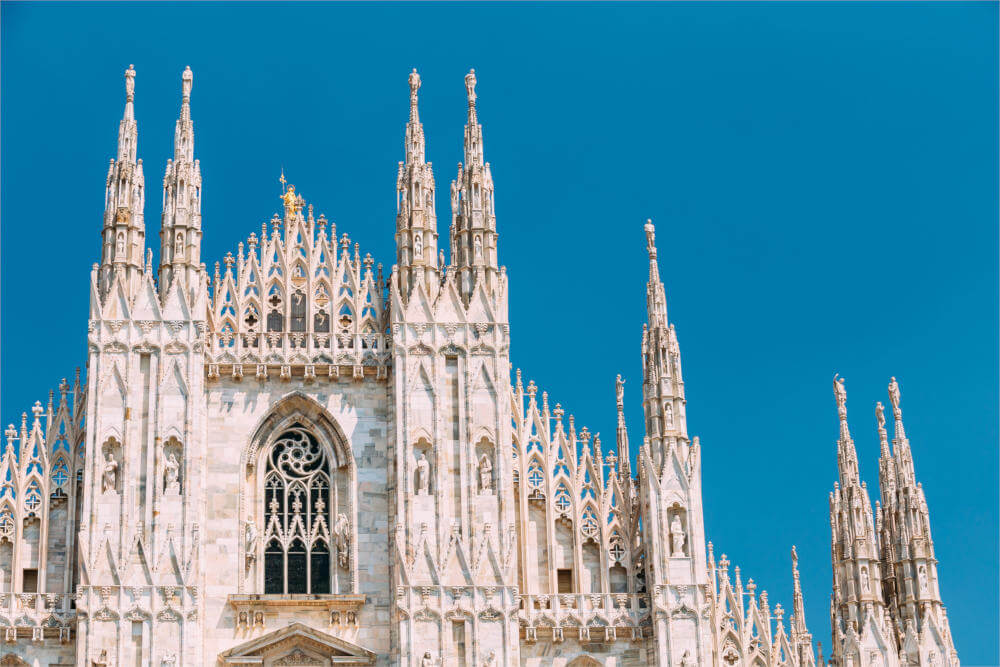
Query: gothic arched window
x=296, y=515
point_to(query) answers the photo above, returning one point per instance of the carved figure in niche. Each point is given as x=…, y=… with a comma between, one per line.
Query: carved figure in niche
x=422, y=475
x=341, y=529
x=179, y=245
x=686, y=660
x=491, y=659
x=169, y=660
x=922, y=577
x=250, y=539
x=171, y=475
x=478, y=245
x=676, y=537
x=418, y=246
x=427, y=660
x=866, y=585
x=109, y=480
x=670, y=415
x=121, y=243
x=485, y=474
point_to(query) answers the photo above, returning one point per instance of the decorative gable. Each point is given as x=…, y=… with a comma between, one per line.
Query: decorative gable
x=294, y=645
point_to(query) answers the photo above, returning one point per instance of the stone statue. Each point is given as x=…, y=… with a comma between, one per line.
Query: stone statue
x=454, y=199
x=470, y=86
x=894, y=396
x=866, y=584
x=669, y=415
x=171, y=475
x=485, y=474
x=491, y=659
x=422, y=474
x=478, y=246
x=880, y=415
x=130, y=82
x=427, y=660
x=922, y=577
x=418, y=246
x=840, y=393
x=676, y=537
x=187, y=78
x=620, y=390
x=169, y=660
x=341, y=528
x=686, y=660
x=110, y=477
x=179, y=244
x=414, y=81
x=250, y=539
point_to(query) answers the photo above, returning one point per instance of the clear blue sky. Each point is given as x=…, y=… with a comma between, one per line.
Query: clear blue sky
x=823, y=178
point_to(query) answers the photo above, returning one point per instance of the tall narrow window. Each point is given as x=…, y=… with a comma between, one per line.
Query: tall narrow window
x=296, y=515
x=137, y=643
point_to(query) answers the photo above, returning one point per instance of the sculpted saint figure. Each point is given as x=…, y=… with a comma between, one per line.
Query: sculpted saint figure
x=250, y=537
x=894, y=396
x=341, y=529
x=427, y=660
x=418, y=246
x=171, y=475
x=110, y=478
x=676, y=537
x=922, y=576
x=880, y=415
x=485, y=474
x=840, y=393
x=290, y=199
x=620, y=390
x=470, y=86
x=478, y=243
x=130, y=82
x=422, y=483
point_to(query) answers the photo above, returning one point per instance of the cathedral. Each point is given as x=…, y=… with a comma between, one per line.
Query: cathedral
x=300, y=458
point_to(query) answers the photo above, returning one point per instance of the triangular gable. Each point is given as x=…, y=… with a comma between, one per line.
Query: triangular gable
x=297, y=637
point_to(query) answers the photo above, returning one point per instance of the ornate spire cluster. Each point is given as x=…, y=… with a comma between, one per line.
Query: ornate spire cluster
x=886, y=601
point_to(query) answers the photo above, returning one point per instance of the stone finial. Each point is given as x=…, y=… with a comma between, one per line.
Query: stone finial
x=187, y=80
x=130, y=83
x=470, y=88
x=894, y=396
x=650, y=238
x=414, y=82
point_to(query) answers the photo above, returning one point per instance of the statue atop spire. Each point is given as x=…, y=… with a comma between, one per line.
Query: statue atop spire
x=840, y=395
x=880, y=416
x=470, y=89
x=130, y=84
x=414, y=87
x=187, y=79
x=894, y=397
x=650, y=238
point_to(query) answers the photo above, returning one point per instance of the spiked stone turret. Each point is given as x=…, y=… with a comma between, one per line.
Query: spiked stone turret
x=180, y=230
x=416, y=221
x=124, y=232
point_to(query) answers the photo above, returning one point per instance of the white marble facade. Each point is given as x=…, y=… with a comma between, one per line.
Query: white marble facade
x=303, y=459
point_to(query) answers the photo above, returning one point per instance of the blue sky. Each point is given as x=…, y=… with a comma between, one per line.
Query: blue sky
x=823, y=178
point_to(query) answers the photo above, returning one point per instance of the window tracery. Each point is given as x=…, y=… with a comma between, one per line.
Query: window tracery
x=297, y=506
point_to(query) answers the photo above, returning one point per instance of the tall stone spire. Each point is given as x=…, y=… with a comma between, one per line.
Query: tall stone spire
x=911, y=588
x=180, y=228
x=670, y=484
x=416, y=220
x=474, y=230
x=622, y=432
x=801, y=638
x=860, y=624
x=124, y=232
x=663, y=384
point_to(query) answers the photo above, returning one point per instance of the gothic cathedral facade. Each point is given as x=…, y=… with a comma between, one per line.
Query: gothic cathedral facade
x=302, y=459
